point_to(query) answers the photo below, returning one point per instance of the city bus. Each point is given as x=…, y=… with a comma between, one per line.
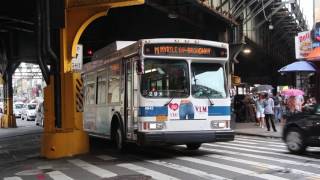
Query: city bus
x=158, y=92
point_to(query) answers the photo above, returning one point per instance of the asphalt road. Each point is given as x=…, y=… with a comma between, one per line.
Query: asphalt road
x=243, y=159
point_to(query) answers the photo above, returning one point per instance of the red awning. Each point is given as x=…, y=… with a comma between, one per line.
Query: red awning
x=314, y=55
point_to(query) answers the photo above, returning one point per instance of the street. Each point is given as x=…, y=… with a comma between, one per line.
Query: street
x=245, y=158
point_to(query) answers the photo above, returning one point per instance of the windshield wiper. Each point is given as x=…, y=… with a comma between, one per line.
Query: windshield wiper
x=166, y=104
x=211, y=103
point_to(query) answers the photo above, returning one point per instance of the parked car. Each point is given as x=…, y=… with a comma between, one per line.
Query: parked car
x=17, y=109
x=302, y=130
x=29, y=112
x=40, y=115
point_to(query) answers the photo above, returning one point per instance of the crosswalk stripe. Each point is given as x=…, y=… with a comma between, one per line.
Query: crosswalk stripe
x=145, y=171
x=188, y=170
x=231, y=168
x=285, y=161
x=93, y=169
x=106, y=157
x=245, y=142
x=178, y=167
x=57, y=175
x=249, y=146
x=273, y=139
x=264, y=142
x=264, y=152
x=12, y=178
x=260, y=141
x=265, y=165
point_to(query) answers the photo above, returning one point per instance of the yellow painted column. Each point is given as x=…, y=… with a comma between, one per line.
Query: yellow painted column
x=70, y=139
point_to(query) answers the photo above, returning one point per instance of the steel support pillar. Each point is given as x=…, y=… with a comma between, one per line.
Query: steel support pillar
x=70, y=139
x=8, y=119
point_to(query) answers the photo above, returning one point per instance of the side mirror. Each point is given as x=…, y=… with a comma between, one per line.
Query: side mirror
x=139, y=66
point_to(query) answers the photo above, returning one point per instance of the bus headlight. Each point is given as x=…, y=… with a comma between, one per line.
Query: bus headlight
x=219, y=124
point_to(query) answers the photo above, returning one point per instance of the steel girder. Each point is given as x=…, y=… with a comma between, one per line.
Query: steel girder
x=254, y=14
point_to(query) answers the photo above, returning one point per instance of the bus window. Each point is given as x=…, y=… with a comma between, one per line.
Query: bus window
x=208, y=80
x=102, y=88
x=165, y=78
x=114, y=83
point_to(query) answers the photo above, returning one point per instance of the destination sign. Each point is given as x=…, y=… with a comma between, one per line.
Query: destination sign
x=184, y=50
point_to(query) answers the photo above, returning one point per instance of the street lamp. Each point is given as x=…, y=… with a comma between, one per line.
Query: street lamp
x=247, y=50
x=271, y=27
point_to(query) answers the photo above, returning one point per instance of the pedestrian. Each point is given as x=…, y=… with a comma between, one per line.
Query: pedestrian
x=260, y=110
x=269, y=112
x=277, y=107
x=299, y=102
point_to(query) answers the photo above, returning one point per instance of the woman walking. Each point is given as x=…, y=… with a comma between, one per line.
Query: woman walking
x=260, y=110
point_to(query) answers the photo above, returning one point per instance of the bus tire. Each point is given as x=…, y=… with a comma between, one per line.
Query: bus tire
x=193, y=146
x=119, y=139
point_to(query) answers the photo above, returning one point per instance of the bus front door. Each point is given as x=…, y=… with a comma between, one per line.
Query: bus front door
x=129, y=98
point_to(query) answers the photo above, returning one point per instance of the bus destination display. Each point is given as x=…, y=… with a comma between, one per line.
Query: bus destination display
x=184, y=50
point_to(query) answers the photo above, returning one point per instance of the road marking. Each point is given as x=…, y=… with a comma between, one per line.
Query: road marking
x=265, y=165
x=181, y=168
x=106, y=157
x=245, y=142
x=188, y=170
x=264, y=152
x=271, y=139
x=12, y=178
x=93, y=169
x=260, y=141
x=255, y=147
x=145, y=171
x=264, y=157
x=231, y=168
x=57, y=175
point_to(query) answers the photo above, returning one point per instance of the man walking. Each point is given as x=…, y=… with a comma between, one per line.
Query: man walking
x=269, y=112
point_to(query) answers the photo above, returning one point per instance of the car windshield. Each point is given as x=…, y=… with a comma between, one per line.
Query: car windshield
x=208, y=80
x=32, y=106
x=165, y=78
x=19, y=106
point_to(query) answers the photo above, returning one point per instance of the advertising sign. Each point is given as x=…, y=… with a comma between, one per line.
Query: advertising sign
x=186, y=110
x=303, y=44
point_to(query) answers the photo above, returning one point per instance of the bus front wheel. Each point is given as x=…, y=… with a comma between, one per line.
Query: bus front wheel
x=119, y=139
x=193, y=146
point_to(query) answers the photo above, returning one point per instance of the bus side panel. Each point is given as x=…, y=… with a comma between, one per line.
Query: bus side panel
x=89, y=118
x=102, y=124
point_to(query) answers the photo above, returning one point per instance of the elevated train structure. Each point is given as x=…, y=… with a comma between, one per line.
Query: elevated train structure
x=47, y=32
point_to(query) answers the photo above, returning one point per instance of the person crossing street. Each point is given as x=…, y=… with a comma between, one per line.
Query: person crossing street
x=269, y=112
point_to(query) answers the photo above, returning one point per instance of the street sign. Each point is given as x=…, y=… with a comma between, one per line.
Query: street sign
x=77, y=62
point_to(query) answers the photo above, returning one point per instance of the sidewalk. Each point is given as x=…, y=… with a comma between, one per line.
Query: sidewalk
x=252, y=130
x=19, y=131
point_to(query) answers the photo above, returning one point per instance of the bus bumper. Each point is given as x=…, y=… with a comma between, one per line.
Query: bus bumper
x=185, y=137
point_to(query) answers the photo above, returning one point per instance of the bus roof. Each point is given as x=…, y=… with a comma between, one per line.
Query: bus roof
x=111, y=48
x=119, y=49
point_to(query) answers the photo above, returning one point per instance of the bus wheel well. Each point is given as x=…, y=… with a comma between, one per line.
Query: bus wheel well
x=115, y=124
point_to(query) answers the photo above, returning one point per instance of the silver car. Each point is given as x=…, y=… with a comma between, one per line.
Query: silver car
x=29, y=112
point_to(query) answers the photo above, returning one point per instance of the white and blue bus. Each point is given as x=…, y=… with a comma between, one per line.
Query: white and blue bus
x=158, y=92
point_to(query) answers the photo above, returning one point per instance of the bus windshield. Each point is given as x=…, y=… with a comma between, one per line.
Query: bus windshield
x=165, y=78
x=208, y=80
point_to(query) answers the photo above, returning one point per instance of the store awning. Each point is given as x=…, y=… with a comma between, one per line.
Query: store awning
x=314, y=55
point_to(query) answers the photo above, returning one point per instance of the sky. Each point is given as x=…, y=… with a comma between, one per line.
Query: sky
x=307, y=9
